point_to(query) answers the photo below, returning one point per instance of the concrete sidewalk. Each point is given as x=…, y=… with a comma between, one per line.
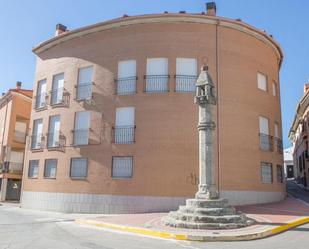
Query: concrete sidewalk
x=271, y=219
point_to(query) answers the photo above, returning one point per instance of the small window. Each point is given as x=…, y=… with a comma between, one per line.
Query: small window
x=279, y=173
x=262, y=81
x=266, y=172
x=33, y=171
x=50, y=168
x=122, y=167
x=274, y=89
x=79, y=168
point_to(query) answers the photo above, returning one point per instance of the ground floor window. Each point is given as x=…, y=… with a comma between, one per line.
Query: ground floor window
x=33, y=171
x=79, y=168
x=122, y=167
x=279, y=173
x=266, y=172
x=50, y=168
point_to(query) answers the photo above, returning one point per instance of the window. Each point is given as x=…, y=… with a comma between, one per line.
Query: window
x=33, y=171
x=122, y=167
x=16, y=160
x=79, y=168
x=262, y=81
x=279, y=174
x=276, y=128
x=84, y=86
x=266, y=172
x=124, y=129
x=57, y=89
x=157, y=75
x=265, y=139
x=20, y=132
x=50, y=168
x=186, y=74
x=53, y=131
x=126, y=82
x=40, y=99
x=274, y=89
x=36, y=138
x=81, y=130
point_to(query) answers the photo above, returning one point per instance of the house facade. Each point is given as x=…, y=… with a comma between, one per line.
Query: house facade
x=15, y=109
x=113, y=127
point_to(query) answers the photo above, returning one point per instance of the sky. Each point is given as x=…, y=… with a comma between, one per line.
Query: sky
x=25, y=23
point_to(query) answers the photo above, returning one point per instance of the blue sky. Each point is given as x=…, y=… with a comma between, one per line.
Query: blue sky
x=25, y=23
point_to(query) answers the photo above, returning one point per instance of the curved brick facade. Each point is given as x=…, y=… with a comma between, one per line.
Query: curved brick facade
x=165, y=151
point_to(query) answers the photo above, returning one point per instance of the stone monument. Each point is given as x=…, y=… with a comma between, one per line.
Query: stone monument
x=207, y=210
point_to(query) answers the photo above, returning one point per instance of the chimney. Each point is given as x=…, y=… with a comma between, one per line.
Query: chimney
x=211, y=8
x=18, y=85
x=306, y=88
x=60, y=29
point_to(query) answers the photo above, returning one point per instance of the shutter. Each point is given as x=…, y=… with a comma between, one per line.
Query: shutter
x=263, y=125
x=16, y=157
x=125, y=116
x=262, y=81
x=85, y=75
x=157, y=66
x=126, y=69
x=276, y=131
x=186, y=66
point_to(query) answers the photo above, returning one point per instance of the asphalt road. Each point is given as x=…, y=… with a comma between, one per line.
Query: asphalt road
x=21, y=229
x=296, y=192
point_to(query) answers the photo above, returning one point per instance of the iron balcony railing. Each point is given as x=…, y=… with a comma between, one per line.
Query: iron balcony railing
x=266, y=142
x=126, y=86
x=156, y=83
x=81, y=137
x=20, y=137
x=185, y=83
x=11, y=167
x=278, y=144
x=124, y=134
x=55, y=140
x=59, y=96
x=37, y=142
x=84, y=91
x=40, y=100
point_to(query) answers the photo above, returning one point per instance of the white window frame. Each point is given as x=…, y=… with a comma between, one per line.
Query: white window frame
x=260, y=81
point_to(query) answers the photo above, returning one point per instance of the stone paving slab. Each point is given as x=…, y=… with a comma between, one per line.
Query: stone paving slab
x=270, y=219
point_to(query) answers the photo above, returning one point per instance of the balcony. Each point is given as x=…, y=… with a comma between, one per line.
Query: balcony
x=20, y=137
x=37, y=142
x=156, y=83
x=11, y=167
x=56, y=140
x=124, y=134
x=266, y=142
x=84, y=91
x=80, y=137
x=185, y=83
x=40, y=101
x=59, y=97
x=278, y=145
x=126, y=86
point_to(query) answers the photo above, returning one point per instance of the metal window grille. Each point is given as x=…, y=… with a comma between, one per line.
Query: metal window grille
x=79, y=167
x=33, y=170
x=122, y=167
x=266, y=172
x=124, y=134
x=157, y=83
x=266, y=142
x=126, y=86
x=185, y=83
x=50, y=168
x=84, y=91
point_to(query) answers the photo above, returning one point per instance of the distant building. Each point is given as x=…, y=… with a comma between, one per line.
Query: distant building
x=113, y=127
x=15, y=109
x=288, y=163
x=299, y=136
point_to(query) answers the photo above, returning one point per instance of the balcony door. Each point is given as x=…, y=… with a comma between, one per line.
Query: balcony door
x=54, y=131
x=82, y=125
x=264, y=134
x=186, y=74
x=84, y=88
x=41, y=94
x=57, y=88
x=37, y=134
x=126, y=83
x=157, y=75
x=125, y=125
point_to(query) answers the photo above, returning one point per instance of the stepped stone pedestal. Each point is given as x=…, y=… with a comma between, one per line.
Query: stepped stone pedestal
x=207, y=214
x=207, y=210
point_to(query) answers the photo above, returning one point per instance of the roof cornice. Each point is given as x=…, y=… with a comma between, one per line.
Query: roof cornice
x=161, y=18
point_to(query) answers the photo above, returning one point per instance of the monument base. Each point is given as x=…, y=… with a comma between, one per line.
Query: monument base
x=207, y=214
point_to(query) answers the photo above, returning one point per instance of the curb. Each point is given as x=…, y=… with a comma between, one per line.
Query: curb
x=189, y=237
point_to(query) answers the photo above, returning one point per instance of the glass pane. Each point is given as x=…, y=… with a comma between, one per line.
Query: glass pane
x=79, y=167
